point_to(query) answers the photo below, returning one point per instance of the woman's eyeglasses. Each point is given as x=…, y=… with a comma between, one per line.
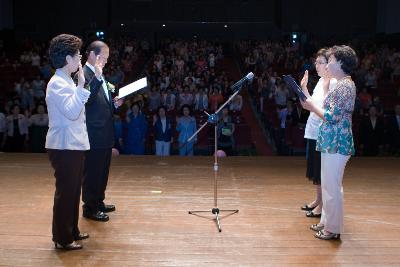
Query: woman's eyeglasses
x=319, y=62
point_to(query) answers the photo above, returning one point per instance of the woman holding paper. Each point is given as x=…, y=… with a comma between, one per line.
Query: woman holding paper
x=312, y=127
x=335, y=138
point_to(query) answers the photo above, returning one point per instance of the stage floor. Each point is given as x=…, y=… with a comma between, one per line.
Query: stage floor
x=152, y=227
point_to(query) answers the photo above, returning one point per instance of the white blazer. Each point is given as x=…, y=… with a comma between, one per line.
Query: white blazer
x=66, y=110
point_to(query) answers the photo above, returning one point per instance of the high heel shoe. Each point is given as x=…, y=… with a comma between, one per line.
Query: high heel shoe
x=72, y=246
x=312, y=214
x=325, y=235
x=317, y=227
x=307, y=208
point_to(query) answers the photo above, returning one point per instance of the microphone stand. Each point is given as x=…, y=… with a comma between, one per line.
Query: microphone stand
x=213, y=119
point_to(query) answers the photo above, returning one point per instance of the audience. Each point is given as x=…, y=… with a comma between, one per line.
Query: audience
x=188, y=74
x=372, y=133
x=135, y=131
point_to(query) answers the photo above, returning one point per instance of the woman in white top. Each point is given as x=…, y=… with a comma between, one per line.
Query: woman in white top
x=17, y=131
x=38, y=124
x=67, y=138
x=311, y=132
x=201, y=100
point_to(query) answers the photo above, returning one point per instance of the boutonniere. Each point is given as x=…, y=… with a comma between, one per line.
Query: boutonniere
x=110, y=87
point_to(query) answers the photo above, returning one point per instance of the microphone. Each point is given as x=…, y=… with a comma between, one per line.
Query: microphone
x=239, y=84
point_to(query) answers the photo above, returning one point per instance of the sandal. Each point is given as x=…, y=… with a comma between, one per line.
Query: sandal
x=317, y=227
x=312, y=214
x=325, y=235
x=307, y=208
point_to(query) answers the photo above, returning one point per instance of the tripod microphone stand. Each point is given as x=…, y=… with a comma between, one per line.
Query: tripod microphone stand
x=213, y=119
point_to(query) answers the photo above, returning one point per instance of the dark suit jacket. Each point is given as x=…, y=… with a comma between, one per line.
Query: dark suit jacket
x=99, y=113
x=159, y=135
x=371, y=137
x=393, y=132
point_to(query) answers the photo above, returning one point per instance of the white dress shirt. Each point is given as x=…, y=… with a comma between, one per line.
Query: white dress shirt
x=66, y=111
x=314, y=121
x=104, y=84
x=164, y=124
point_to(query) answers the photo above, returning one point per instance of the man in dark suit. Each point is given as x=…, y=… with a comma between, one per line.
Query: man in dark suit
x=100, y=127
x=372, y=133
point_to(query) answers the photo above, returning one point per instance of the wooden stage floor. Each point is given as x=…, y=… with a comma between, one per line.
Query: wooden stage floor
x=152, y=227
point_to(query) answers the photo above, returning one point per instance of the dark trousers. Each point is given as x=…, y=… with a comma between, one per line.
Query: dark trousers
x=313, y=162
x=68, y=170
x=97, y=167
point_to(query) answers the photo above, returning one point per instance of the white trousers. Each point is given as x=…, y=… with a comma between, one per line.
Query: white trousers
x=162, y=148
x=332, y=169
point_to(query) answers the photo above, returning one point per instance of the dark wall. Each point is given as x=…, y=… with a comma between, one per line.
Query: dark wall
x=6, y=14
x=388, y=20
x=193, y=10
x=330, y=18
x=46, y=18
x=245, y=18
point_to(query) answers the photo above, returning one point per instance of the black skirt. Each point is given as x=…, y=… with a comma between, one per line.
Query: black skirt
x=313, y=162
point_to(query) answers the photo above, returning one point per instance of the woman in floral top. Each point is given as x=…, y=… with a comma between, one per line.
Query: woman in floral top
x=335, y=139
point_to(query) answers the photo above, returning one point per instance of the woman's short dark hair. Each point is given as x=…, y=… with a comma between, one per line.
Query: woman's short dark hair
x=61, y=46
x=160, y=108
x=136, y=103
x=15, y=106
x=323, y=52
x=189, y=108
x=346, y=56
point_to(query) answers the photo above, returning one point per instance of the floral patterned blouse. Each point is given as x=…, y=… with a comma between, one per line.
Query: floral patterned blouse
x=335, y=134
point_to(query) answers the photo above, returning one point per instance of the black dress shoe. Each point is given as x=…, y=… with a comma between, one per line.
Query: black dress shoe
x=312, y=214
x=72, y=246
x=98, y=216
x=107, y=208
x=82, y=236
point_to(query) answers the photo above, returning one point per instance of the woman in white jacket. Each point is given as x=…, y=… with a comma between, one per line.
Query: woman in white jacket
x=67, y=138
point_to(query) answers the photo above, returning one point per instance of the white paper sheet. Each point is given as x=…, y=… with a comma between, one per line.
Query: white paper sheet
x=132, y=87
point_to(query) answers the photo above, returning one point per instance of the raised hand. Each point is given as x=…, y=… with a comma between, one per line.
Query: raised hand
x=81, y=76
x=304, y=81
x=98, y=67
x=303, y=84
